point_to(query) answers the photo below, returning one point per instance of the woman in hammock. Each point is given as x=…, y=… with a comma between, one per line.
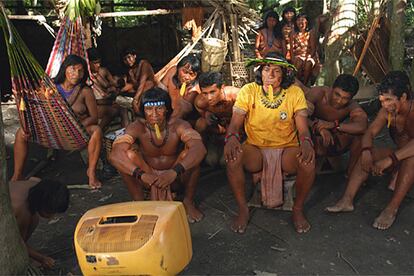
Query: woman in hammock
x=71, y=84
x=304, y=49
x=269, y=37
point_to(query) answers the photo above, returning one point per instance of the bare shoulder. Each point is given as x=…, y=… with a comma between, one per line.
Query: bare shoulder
x=317, y=93
x=200, y=102
x=87, y=91
x=231, y=92
x=181, y=125
x=135, y=128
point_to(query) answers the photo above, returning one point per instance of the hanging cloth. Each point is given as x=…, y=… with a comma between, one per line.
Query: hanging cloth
x=44, y=114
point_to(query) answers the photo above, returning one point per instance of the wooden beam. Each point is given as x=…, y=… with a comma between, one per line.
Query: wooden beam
x=28, y=17
x=138, y=13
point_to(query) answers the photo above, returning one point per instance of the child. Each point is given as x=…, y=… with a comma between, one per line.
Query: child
x=34, y=198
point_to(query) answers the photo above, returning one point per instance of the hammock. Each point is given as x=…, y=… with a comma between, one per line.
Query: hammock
x=71, y=35
x=44, y=114
x=70, y=40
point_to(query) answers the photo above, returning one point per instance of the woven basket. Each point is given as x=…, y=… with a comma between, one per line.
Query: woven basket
x=236, y=74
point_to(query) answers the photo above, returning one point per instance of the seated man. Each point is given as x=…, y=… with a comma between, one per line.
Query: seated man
x=158, y=164
x=215, y=105
x=140, y=76
x=397, y=113
x=337, y=120
x=273, y=112
x=181, y=82
x=105, y=88
x=34, y=198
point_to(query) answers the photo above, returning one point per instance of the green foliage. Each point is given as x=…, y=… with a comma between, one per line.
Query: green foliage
x=128, y=21
x=409, y=14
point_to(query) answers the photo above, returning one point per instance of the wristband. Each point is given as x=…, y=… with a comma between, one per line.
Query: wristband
x=229, y=135
x=308, y=139
x=137, y=173
x=179, y=169
x=394, y=159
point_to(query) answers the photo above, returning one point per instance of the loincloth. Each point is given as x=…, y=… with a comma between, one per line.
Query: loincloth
x=162, y=194
x=272, y=177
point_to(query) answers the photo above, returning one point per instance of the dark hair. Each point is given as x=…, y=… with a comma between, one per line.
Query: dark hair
x=308, y=26
x=288, y=75
x=277, y=30
x=194, y=63
x=128, y=51
x=48, y=196
x=348, y=83
x=154, y=95
x=93, y=54
x=71, y=60
x=396, y=82
x=286, y=10
x=210, y=78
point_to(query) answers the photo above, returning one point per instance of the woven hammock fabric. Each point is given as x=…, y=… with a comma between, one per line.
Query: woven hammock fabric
x=70, y=40
x=44, y=114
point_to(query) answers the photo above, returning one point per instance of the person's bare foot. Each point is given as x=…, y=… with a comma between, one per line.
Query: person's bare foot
x=193, y=214
x=385, y=219
x=239, y=223
x=343, y=205
x=300, y=222
x=16, y=177
x=94, y=182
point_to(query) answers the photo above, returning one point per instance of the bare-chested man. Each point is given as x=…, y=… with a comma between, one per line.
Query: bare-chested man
x=140, y=76
x=337, y=120
x=32, y=199
x=215, y=105
x=397, y=113
x=181, y=83
x=105, y=88
x=169, y=154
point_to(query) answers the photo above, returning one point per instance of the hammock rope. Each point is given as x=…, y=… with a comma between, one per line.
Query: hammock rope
x=43, y=113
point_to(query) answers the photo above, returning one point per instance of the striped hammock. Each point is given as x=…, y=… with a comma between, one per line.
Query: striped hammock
x=70, y=40
x=44, y=114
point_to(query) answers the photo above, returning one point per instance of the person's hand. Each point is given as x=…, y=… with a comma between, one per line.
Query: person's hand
x=327, y=137
x=47, y=262
x=324, y=125
x=366, y=161
x=165, y=179
x=149, y=179
x=232, y=149
x=306, y=154
x=381, y=165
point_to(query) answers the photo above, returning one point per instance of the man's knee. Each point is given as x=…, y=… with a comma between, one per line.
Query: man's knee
x=234, y=165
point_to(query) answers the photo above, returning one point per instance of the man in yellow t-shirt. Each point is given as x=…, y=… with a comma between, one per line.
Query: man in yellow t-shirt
x=273, y=112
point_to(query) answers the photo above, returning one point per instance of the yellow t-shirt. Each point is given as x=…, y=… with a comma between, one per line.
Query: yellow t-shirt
x=266, y=126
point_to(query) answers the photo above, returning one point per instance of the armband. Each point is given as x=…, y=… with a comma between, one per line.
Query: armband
x=308, y=139
x=137, y=173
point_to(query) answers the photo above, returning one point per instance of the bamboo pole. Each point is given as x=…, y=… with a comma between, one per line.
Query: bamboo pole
x=138, y=13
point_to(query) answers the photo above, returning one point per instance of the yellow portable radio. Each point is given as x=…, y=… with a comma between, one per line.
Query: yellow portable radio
x=134, y=238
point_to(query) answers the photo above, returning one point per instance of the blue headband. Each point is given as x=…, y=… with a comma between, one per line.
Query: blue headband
x=159, y=103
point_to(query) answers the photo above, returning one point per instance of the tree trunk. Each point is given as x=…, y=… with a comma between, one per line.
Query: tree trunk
x=341, y=36
x=397, y=44
x=412, y=74
x=13, y=259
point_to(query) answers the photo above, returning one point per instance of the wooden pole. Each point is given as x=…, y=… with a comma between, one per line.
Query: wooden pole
x=138, y=13
x=235, y=38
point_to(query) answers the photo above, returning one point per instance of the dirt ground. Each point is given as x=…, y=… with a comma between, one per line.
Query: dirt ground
x=337, y=243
